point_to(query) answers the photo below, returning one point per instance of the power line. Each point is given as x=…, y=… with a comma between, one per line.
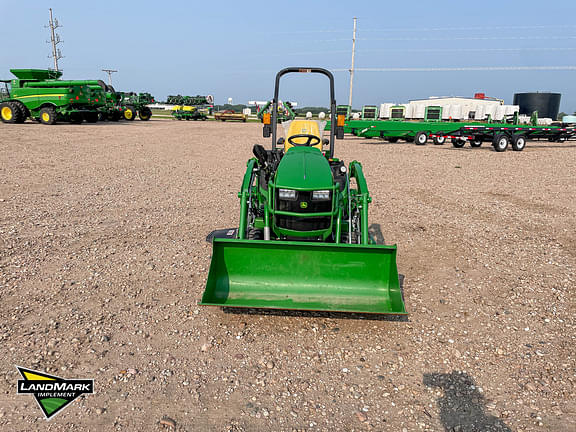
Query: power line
x=424, y=50
x=405, y=29
x=440, y=50
x=467, y=38
x=450, y=69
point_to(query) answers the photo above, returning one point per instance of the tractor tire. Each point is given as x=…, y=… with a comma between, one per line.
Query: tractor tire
x=476, y=142
x=439, y=139
x=48, y=116
x=501, y=142
x=458, y=142
x=10, y=112
x=145, y=114
x=25, y=112
x=255, y=234
x=129, y=113
x=518, y=142
x=421, y=138
x=91, y=117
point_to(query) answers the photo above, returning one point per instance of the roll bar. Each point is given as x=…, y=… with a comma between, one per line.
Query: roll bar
x=322, y=71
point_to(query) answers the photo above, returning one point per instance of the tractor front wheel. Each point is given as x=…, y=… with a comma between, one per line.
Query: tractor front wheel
x=129, y=113
x=10, y=113
x=48, y=116
x=145, y=114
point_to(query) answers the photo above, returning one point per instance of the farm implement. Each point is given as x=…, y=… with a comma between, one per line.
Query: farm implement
x=303, y=241
x=191, y=107
x=500, y=135
x=285, y=111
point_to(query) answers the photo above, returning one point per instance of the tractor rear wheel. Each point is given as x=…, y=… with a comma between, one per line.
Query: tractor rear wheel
x=48, y=116
x=421, y=138
x=10, y=113
x=145, y=114
x=129, y=113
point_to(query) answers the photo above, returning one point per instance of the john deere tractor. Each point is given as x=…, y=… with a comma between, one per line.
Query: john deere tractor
x=302, y=240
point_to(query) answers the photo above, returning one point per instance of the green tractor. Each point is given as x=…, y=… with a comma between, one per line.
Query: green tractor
x=136, y=104
x=42, y=96
x=303, y=240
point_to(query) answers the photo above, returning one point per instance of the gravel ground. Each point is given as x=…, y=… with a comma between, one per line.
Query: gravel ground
x=103, y=259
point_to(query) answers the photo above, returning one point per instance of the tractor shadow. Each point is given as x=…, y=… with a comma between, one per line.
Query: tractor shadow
x=462, y=405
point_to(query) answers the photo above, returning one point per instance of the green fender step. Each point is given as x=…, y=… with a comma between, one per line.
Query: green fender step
x=304, y=276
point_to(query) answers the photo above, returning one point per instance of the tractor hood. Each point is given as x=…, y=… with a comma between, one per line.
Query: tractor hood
x=304, y=167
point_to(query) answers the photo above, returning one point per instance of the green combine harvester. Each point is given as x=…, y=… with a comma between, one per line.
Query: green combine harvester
x=303, y=241
x=42, y=96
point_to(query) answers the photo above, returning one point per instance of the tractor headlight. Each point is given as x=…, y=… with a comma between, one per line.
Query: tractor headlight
x=287, y=194
x=321, y=195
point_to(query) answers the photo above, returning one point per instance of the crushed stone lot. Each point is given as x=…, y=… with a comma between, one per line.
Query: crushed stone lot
x=103, y=259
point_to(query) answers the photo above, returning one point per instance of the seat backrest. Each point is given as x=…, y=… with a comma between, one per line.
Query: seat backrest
x=299, y=127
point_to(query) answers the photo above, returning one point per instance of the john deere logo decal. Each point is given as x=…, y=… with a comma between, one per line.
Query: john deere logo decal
x=52, y=393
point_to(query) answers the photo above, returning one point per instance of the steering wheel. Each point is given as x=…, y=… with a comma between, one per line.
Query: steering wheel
x=312, y=140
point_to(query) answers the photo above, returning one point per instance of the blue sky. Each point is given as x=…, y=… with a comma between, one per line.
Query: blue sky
x=233, y=48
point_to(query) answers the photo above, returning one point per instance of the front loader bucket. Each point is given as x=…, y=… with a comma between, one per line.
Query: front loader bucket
x=304, y=276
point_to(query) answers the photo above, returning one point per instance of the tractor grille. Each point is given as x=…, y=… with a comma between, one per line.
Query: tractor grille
x=303, y=223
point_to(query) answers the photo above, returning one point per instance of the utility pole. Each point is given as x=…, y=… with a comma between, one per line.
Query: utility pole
x=54, y=40
x=109, y=72
x=352, y=65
